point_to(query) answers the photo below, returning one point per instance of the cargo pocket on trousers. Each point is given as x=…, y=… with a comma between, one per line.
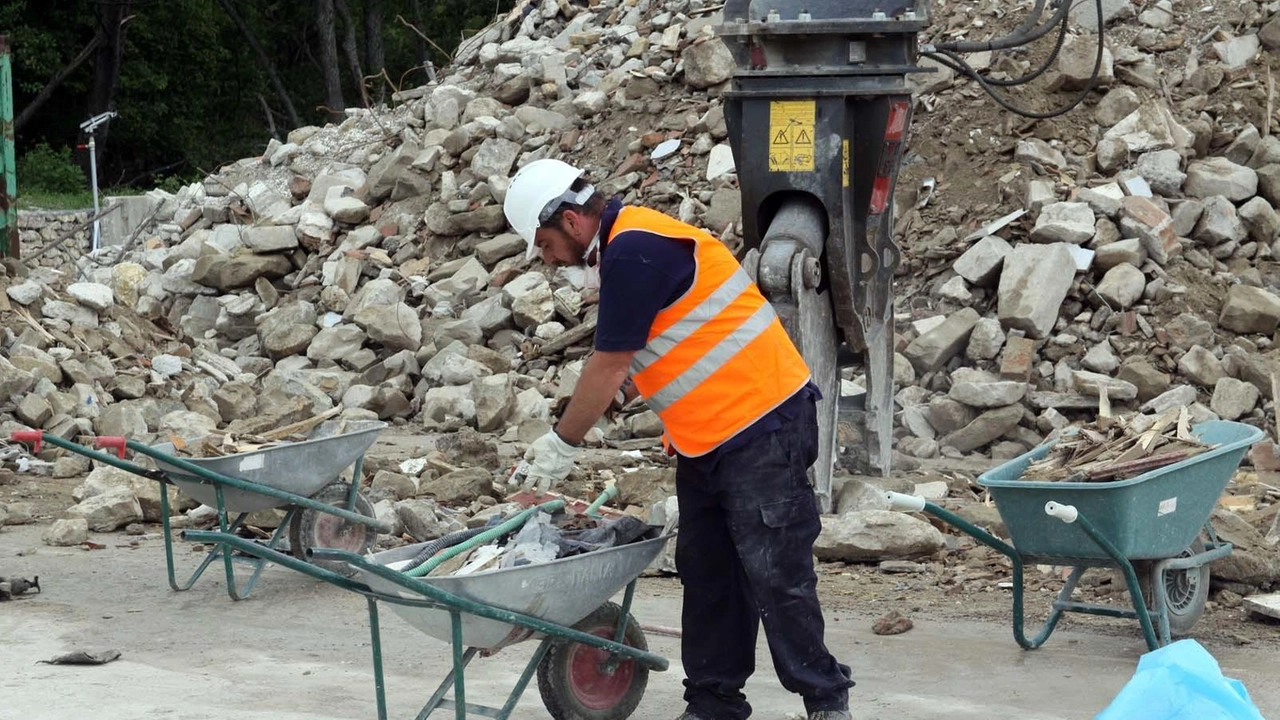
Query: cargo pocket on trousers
x=782, y=513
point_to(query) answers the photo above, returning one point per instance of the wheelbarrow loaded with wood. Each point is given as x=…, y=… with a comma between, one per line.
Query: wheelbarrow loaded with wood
x=1139, y=503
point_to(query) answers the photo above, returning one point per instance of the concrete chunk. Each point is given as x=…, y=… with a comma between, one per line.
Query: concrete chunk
x=980, y=264
x=933, y=349
x=1065, y=222
x=1250, y=310
x=1033, y=284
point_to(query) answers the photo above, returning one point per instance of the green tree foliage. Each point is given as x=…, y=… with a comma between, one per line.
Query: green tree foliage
x=192, y=93
x=51, y=170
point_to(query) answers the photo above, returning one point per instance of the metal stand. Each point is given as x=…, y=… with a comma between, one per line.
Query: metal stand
x=90, y=126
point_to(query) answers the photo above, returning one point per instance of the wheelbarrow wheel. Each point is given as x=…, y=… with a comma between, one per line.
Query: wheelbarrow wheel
x=316, y=529
x=574, y=682
x=1186, y=591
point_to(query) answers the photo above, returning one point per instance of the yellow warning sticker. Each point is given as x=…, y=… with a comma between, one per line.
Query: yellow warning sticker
x=844, y=165
x=791, y=135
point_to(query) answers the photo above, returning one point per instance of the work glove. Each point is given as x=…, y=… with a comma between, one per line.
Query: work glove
x=547, y=461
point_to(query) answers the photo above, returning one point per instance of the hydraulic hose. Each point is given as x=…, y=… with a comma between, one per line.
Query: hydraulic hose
x=488, y=535
x=1013, y=40
x=435, y=546
x=958, y=64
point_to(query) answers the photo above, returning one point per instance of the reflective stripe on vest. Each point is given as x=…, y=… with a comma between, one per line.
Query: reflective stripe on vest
x=717, y=358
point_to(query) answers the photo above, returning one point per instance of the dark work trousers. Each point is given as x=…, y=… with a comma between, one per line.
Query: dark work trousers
x=744, y=551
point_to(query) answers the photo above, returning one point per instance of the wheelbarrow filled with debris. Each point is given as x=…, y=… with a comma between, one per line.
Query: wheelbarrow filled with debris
x=303, y=477
x=541, y=573
x=1152, y=525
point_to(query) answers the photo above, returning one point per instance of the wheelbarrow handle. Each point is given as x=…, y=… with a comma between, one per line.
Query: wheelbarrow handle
x=904, y=503
x=34, y=438
x=1065, y=513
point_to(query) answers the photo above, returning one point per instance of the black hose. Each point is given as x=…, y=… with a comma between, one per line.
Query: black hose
x=953, y=61
x=1044, y=67
x=430, y=549
x=1014, y=40
x=1032, y=18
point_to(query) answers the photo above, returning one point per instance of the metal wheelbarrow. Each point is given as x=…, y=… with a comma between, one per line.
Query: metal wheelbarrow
x=1149, y=527
x=592, y=661
x=304, y=477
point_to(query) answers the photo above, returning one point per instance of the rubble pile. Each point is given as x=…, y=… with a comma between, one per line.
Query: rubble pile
x=1115, y=259
x=1125, y=264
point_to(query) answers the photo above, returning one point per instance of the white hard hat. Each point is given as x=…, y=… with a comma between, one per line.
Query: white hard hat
x=534, y=194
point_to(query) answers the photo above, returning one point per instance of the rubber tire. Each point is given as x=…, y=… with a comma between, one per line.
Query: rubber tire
x=1181, y=619
x=555, y=682
x=303, y=524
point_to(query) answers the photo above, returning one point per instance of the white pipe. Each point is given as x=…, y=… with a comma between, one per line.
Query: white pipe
x=904, y=503
x=93, y=179
x=1065, y=513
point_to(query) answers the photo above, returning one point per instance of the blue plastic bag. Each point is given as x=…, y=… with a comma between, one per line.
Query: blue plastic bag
x=1180, y=681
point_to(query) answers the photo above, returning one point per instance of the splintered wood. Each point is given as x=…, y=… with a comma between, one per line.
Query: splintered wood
x=220, y=444
x=1110, y=450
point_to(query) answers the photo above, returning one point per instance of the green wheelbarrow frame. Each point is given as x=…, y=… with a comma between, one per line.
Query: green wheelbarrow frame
x=1152, y=519
x=435, y=598
x=227, y=526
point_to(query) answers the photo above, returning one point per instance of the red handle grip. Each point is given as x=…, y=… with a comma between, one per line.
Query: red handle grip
x=116, y=443
x=34, y=438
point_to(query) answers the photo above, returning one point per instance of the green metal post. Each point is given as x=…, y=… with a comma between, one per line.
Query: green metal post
x=9, y=190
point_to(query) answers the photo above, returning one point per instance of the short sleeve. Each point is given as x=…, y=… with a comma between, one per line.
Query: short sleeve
x=641, y=274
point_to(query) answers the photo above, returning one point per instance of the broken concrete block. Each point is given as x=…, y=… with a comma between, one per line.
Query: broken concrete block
x=933, y=349
x=1033, y=284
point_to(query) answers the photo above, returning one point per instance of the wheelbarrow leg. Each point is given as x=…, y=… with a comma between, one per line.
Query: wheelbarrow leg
x=455, y=677
x=908, y=503
x=529, y=670
x=375, y=639
x=1069, y=515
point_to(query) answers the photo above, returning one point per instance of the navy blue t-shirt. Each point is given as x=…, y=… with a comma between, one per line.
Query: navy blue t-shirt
x=640, y=274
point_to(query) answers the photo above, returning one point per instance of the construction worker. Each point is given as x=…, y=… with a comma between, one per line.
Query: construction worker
x=681, y=320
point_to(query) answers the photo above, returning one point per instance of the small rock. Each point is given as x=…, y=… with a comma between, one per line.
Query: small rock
x=1122, y=286
x=1233, y=398
x=892, y=624
x=109, y=511
x=67, y=533
x=1219, y=176
x=986, y=340
x=1201, y=367
x=933, y=349
x=875, y=535
x=1064, y=222
x=92, y=295
x=707, y=63
x=980, y=264
x=1250, y=310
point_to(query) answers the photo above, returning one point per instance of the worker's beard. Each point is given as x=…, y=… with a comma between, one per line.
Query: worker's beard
x=587, y=275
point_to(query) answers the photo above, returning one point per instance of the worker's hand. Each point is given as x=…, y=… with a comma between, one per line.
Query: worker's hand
x=547, y=461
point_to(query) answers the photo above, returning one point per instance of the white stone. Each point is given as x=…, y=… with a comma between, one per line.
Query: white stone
x=1065, y=222
x=720, y=161
x=92, y=295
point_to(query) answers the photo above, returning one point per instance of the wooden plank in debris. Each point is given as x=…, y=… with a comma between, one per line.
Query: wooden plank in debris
x=1238, y=503
x=1268, y=605
x=304, y=426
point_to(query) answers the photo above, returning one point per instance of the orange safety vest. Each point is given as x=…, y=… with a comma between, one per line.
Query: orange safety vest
x=717, y=359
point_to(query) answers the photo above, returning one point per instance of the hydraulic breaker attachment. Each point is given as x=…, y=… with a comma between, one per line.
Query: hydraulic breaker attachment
x=818, y=112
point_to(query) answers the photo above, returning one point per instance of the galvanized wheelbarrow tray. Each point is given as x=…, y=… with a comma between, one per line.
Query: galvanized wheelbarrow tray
x=1149, y=525
x=304, y=477
x=592, y=661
